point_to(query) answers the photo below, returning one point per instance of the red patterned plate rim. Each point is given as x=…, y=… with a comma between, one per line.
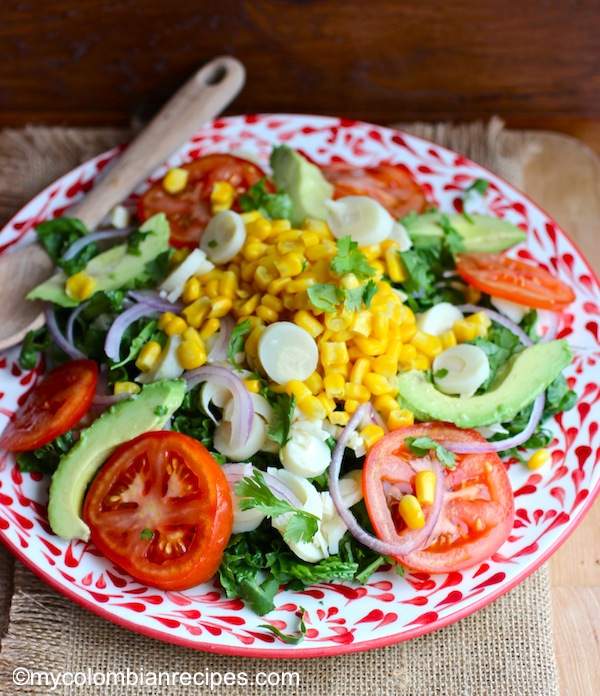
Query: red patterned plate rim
x=269, y=128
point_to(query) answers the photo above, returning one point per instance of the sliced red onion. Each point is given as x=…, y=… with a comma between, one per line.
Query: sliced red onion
x=112, y=342
x=236, y=472
x=71, y=321
x=243, y=412
x=154, y=300
x=507, y=443
x=82, y=242
x=58, y=338
x=109, y=399
x=218, y=350
x=551, y=318
x=499, y=319
x=413, y=539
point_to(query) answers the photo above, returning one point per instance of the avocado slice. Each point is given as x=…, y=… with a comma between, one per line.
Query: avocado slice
x=526, y=376
x=479, y=232
x=303, y=182
x=148, y=410
x=112, y=269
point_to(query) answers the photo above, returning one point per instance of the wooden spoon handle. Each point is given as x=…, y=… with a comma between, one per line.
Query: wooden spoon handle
x=202, y=97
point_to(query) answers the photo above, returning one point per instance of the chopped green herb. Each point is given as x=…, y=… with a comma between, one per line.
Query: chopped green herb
x=146, y=534
x=283, y=406
x=213, y=243
x=57, y=236
x=236, y=341
x=273, y=206
x=44, y=460
x=134, y=239
x=325, y=296
x=355, y=297
x=479, y=186
x=421, y=446
x=440, y=374
x=160, y=411
x=254, y=493
x=453, y=239
x=349, y=259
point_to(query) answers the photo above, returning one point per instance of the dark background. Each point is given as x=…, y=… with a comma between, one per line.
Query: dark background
x=535, y=63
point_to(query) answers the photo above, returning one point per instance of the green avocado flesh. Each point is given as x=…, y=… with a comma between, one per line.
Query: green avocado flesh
x=113, y=269
x=478, y=232
x=303, y=182
x=148, y=410
x=526, y=376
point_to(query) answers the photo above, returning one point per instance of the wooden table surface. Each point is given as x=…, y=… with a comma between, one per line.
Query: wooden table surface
x=563, y=177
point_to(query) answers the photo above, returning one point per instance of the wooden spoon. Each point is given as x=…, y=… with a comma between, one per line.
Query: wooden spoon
x=201, y=98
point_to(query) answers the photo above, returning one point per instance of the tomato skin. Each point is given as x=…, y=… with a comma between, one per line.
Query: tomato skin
x=477, y=492
x=189, y=211
x=388, y=184
x=167, y=485
x=56, y=404
x=511, y=279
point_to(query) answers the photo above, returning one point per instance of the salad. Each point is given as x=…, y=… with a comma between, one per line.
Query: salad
x=290, y=378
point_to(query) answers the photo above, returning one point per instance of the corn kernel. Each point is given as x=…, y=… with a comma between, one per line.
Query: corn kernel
x=212, y=288
x=351, y=405
x=312, y=407
x=251, y=344
x=80, y=286
x=254, y=250
x=191, y=290
x=429, y=345
x=209, y=328
x=371, y=434
x=407, y=331
x=377, y=384
x=361, y=323
x=385, y=404
x=339, y=418
x=318, y=226
x=333, y=353
x=425, y=486
x=356, y=392
x=297, y=389
x=380, y=326
x=360, y=370
x=250, y=217
x=411, y=512
x=309, y=239
x=448, y=339
x=179, y=256
x=395, y=268
x=175, y=326
x=259, y=227
x=290, y=265
x=126, y=388
x=319, y=251
x=191, y=354
x=148, y=356
x=308, y=322
x=175, y=180
x=280, y=226
x=538, y=459
x=299, y=285
x=222, y=196
x=249, y=306
x=269, y=315
x=385, y=365
x=335, y=386
x=339, y=320
x=314, y=383
x=464, y=330
x=191, y=334
x=277, y=286
x=252, y=385
x=421, y=362
x=164, y=319
x=482, y=321
x=399, y=417
x=407, y=355
x=371, y=346
x=197, y=312
x=228, y=284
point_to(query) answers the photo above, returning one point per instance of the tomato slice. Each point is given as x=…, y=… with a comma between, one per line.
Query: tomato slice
x=510, y=279
x=189, y=211
x=478, y=507
x=389, y=184
x=161, y=509
x=52, y=407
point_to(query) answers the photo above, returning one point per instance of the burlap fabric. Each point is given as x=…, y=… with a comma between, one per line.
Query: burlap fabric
x=504, y=649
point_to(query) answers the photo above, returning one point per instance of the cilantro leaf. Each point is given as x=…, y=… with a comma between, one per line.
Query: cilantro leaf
x=57, y=235
x=453, y=239
x=325, y=296
x=283, y=406
x=479, y=186
x=35, y=342
x=254, y=493
x=290, y=640
x=146, y=534
x=420, y=447
x=356, y=296
x=272, y=206
x=45, y=459
x=440, y=374
x=420, y=276
x=236, y=341
x=134, y=239
x=348, y=259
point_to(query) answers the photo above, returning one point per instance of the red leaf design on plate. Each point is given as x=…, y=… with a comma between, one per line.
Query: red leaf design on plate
x=427, y=618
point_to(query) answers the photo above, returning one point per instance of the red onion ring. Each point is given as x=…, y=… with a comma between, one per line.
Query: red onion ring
x=499, y=319
x=552, y=329
x=71, y=321
x=109, y=399
x=414, y=539
x=243, y=411
x=57, y=336
x=218, y=351
x=509, y=442
x=112, y=342
x=82, y=242
x=154, y=300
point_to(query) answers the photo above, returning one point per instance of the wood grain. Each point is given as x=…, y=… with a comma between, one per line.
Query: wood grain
x=382, y=61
